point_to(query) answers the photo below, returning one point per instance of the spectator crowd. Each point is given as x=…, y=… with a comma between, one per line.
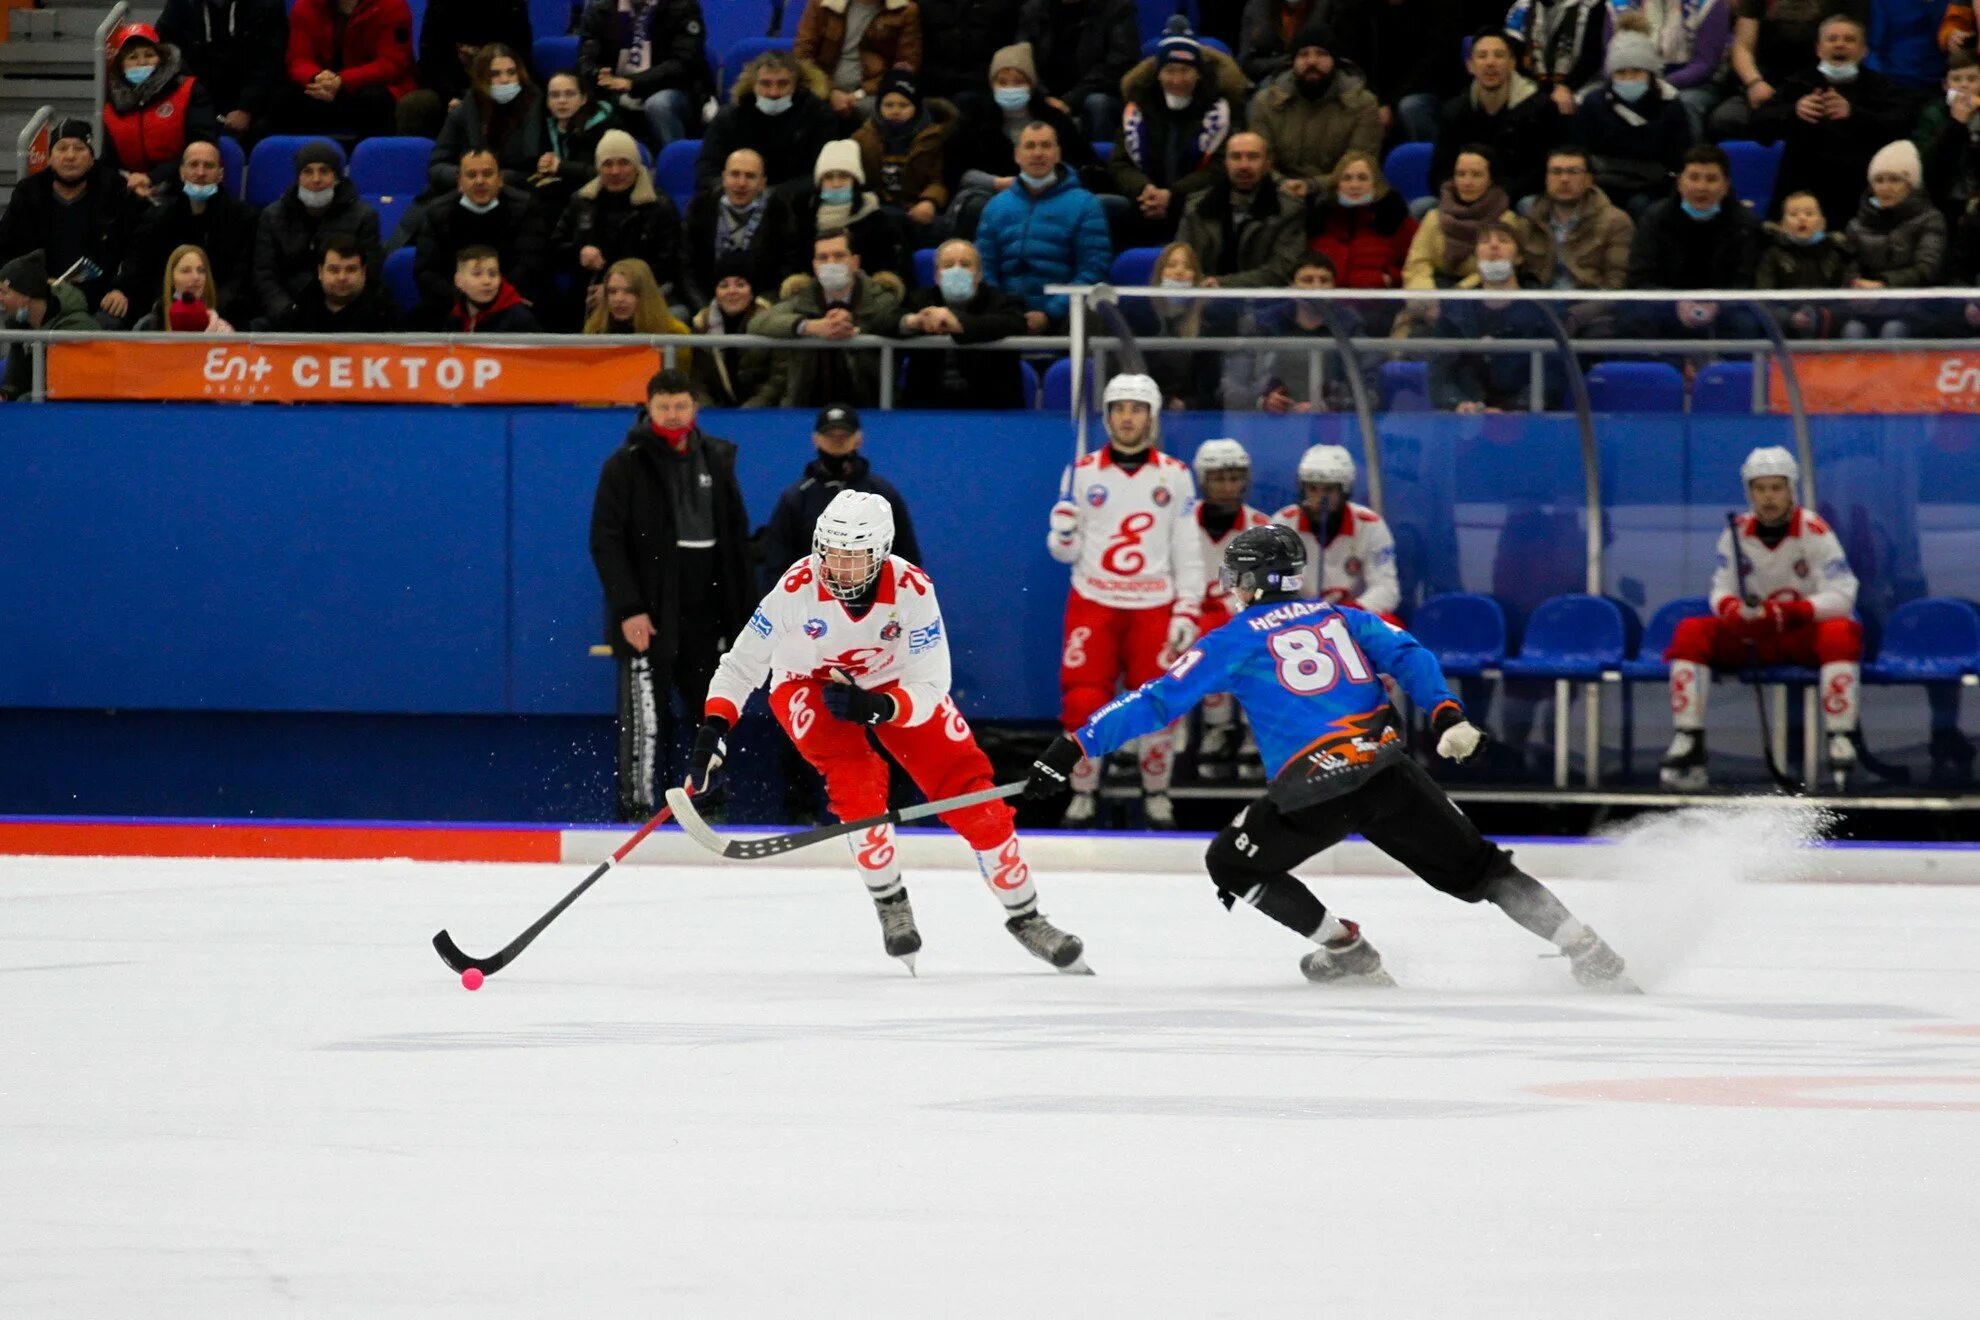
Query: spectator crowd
x=929, y=168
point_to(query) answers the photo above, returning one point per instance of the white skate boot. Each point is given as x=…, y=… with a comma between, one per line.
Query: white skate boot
x=1598, y=966
x=1683, y=768
x=1080, y=812
x=1158, y=811
x=1842, y=760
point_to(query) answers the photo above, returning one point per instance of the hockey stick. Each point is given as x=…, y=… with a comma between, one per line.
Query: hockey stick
x=1781, y=781
x=450, y=952
x=751, y=850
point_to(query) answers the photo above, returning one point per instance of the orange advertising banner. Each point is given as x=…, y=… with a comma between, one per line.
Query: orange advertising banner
x=348, y=371
x=1882, y=382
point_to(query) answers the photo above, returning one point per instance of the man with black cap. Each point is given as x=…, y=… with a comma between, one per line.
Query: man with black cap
x=29, y=302
x=1316, y=112
x=837, y=466
x=289, y=245
x=1172, y=134
x=670, y=541
x=78, y=207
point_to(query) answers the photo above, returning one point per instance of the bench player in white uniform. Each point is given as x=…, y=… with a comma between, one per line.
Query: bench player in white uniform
x=1350, y=542
x=850, y=640
x=1223, y=475
x=1796, y=610
x=1137, y=581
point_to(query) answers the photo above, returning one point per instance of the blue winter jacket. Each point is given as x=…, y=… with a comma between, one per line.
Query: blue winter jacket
x=1029, y=240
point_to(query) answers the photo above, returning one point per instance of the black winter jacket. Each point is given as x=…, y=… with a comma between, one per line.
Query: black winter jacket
x=958, y=37
x=520, y=137
x=637, y=223
x=515, y=229
x=680, y=48
x=109, y=220
x=1519, y=136
x=1673, y=251
x=1106, y=44
x=773, y=251
x=632, y=541
x=990, y=380
x=238, y=55
x=285, y=246
x=787, y=536
x=225, y=232
x=789, y=143
x=1632, y=160
x=373, y=313
x=1832, y=158
x=450, y=23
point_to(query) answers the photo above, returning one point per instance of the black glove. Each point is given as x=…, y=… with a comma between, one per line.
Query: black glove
x=1051, y=774
x=855, y=705
x=709, y=752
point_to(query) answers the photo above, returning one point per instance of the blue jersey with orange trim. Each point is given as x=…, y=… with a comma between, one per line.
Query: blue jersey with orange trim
x=1307, y=673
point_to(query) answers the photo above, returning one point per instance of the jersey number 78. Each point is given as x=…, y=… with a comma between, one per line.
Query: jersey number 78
x=1311, y=658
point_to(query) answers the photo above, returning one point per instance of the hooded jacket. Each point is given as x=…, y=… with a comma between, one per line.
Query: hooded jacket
x=917, y=173
x=1904, y=246
x=788, y=533
x=507, y=313
x=514, y=229
x=854, y=374
x=236, y=54
x=1309, y=137
x=1058, y=236
x=739, y=377
x=640, y=222
x=285, y=250
x=518, y=134
x=1106, y=41
x=1595, y=251
x=67, y=310
x=633, y=542
x=1519, y=136
x=224, y=231
x=680, y=48
x=893, y=39
x=148, y=125
x=1181, y=150
x=377, y=44
x=1260, y=254
x=1367, y=244
x=789, y=143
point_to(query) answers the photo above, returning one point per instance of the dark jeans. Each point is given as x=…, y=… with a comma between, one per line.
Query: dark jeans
x=367, y=112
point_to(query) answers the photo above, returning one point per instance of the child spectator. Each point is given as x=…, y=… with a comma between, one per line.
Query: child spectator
x=1182, y=105
x=1044, y=229
x=1504, y=110
x=901, y=149
x=1441, y=253
x=631, y=303
x=1899, y=241
x=1363, y=227
x=843, y=200
x=482, y=213
x=1800, y=253
x=619, y=214
x=451, y=36
x=1948, y=137
x=349, y=62
x=502, y=112
x=855, y=43
x=573, y=124
x=343, y=300
x=1083, y=49
x=235, y=51
x=964, y=306
x=189, y=301
x=648, y=58
x=737, y=377
x=982, y=157
x=776, y=109
x=152, y=109
x=484, y=302
x=1633, y=124
x=322, y=202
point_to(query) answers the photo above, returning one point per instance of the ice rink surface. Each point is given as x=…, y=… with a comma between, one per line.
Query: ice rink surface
x=251, y=1089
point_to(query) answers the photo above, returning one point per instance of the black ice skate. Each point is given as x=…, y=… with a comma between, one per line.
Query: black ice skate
x=1683, y=768
x=1598, y=966
x=1842, y=760
x=897, y=929
x=1042, y=939
x=1348, y=961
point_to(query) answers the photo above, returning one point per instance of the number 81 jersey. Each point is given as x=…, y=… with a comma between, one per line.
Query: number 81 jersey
x=1137, y=546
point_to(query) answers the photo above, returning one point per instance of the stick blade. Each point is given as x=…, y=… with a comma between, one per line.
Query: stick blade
x=451, y=954
x=690, y=820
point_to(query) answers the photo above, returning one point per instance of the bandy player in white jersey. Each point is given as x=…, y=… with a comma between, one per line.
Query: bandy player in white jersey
x=1799, y=593
x=1125, y=526
x=1353, y=546
x=851, y=641
x=1223, y=474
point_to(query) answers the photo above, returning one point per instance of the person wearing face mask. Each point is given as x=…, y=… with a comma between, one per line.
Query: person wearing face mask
x=618, y=215
x=451, y=36
x=349, y=62
x=152, y=107
x=737, y=377
x=322, y=202
x=649, y=59
x=837, y=301
x=1362, y=226
x=29, y=301
x=1491, y=382
x=197, y=212
x=842, y=198
x=740, y=218
x=1801, y=253
x=1182, y=105
x=234, y=48
x=1502, y=109
x=982, y=156
x=1441, y=254
x=1898, y=239
x=902, y=150
x=1633, y=124
x=969, y=310
x=1317, y=111
x=1831, y=118
x=1690, y=37
x=836, y=464
x=502, y=112
x=776, y=109
x=1700, y=239
x=482, y=213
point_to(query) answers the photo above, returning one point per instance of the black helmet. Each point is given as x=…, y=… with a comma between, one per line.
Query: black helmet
x=1265, y=561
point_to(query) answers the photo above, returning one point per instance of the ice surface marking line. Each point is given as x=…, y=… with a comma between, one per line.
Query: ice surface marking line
x=1772, y=1092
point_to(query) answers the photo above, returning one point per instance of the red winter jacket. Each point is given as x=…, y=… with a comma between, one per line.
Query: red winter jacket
x=378, y=45
x=1367, y=244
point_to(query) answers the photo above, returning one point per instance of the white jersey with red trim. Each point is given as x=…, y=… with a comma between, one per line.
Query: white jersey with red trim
x=1808, y=564
x=1136, y=545
x=1216, y=596
x=1358, y=566
x=801, y=630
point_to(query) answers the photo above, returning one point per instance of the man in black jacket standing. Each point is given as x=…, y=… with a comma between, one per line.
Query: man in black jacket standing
x=237, y=49
x=838, y=466
x=670, y=540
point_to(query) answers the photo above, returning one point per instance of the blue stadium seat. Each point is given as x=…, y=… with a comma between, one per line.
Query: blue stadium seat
x=551, y=54
x=1135, y=265
x=1467, y=632
x=234, y=162
x=675, y=173
x=1029, y=379
x=1648, y=665
x=1407, y=168
x=1402, y=387
x=394, y=166
x=1152, y=14
x=271, y=170
x=729, y=21
x=1643, y=387
x=1754, y=169
x=1571, y=639
x=1724, y=387
x=793, y=12
x=391, y=208
x=1104, y=150
x=924, y=268
x=399, y=279
x=552, y=18
x=1056, y=393
x=1933, y=640
x=741, y=53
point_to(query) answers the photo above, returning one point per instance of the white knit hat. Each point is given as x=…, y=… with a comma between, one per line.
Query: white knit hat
x=1899, y=157
x=616, y=144
x=1632, y=48
x=839, y=154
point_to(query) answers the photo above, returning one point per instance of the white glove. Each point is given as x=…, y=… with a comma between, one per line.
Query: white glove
x=1182, y=631
x=1460, y=741
x=1063, y=541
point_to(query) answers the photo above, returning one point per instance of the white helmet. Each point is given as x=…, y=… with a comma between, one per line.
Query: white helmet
x=853, y=522
x=1772, y=461
x=1221, y=456
x=1133, y=387
x=1327, y=465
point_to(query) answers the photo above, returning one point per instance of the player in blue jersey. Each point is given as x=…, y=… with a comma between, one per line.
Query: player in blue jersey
x=1308, y=676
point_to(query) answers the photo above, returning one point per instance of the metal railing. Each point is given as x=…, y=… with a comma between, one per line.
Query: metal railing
x=100, y=77
x=24, y=144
